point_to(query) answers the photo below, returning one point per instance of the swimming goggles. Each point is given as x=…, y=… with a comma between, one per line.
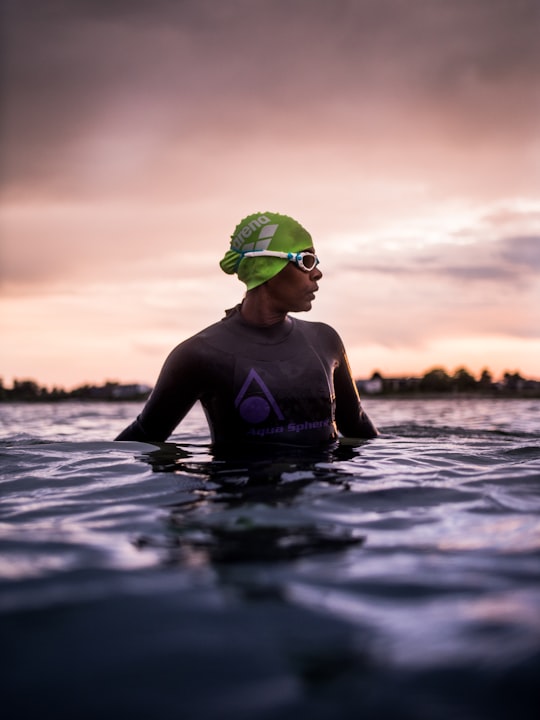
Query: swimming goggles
x=306, y=261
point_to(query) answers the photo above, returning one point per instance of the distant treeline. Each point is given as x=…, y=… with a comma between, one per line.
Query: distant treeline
x=31, y=391
x=436, y=381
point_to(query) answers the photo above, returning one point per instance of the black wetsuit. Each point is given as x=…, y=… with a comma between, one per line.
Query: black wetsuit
x=287, y=383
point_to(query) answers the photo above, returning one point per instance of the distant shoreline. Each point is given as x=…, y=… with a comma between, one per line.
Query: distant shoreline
x=451, y=396
x=434, y=384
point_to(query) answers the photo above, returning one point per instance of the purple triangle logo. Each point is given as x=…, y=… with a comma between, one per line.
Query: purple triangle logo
x=256, y=408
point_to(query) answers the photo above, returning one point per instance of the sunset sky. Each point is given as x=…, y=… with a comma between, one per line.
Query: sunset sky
x=135, y=134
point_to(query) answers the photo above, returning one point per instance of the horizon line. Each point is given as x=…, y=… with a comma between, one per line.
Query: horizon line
x=405, y=376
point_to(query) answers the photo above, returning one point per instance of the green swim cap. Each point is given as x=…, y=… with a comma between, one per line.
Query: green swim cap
x=263, y=231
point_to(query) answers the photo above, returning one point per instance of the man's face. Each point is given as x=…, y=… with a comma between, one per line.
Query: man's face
x=293, y=289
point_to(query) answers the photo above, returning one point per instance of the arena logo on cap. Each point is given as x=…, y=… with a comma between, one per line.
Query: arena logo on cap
x=265, y=236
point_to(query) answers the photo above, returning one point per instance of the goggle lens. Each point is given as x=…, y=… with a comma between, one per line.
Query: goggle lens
x=306, y=261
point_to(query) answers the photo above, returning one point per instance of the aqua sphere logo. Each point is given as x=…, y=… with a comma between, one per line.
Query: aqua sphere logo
x=255, y=401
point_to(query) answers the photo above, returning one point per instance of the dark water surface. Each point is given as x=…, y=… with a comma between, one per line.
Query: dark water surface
x=399, y=577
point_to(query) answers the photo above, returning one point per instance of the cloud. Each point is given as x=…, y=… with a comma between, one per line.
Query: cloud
x=513, y=259
x=407, y=295
x=522, y=252
x=112, y=92
x=499, y=242
x=403, y=134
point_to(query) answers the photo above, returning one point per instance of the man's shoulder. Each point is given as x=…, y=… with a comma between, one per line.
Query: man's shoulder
x=196, y=342
x=217, y=335
x=313, y=327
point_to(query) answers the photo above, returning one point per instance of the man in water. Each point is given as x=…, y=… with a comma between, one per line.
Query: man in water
x=261, y=376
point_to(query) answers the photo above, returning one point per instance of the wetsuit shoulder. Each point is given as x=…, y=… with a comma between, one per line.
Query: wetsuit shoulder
x=181, y=382
x=321, y=335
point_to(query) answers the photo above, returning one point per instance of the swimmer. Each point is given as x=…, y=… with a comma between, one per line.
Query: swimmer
x=260, y=375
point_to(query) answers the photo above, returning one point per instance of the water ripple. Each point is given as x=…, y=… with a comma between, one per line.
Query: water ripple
x=403, y=566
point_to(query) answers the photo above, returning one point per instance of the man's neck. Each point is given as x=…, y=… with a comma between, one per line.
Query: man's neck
x=257, y=309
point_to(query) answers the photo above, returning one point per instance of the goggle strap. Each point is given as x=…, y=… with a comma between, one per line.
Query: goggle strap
x=298, y=257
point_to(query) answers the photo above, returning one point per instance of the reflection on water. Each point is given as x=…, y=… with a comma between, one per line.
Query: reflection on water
x=226, y=520
x=398, y=577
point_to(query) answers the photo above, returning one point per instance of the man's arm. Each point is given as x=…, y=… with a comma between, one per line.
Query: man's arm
x=176, y=391
x=351, y=419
